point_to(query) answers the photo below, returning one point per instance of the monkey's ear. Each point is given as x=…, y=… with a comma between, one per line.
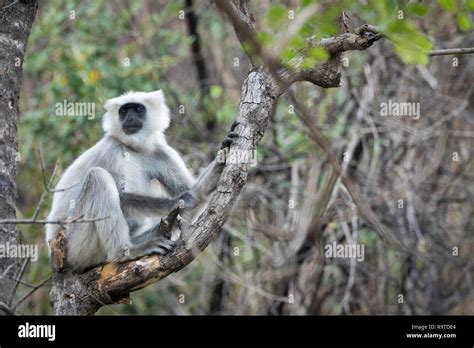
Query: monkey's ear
x=157, y=97
x=110, y=104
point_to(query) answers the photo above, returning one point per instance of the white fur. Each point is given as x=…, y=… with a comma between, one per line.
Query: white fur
x=158, y=120
x=91, y=185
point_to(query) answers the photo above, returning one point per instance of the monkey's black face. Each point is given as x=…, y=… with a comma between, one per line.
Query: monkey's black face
x=132, y=116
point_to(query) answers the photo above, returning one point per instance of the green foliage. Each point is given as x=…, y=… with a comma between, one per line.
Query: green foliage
x=88, y=67
x=397, y=19
x=392, y=16
x=449, y=5
x=276, y=16
x=460, y=9
x=464, y=21
x=418, y=9
x=215, y=91
x=318, y=53
x=470, y=5
x=410, y=44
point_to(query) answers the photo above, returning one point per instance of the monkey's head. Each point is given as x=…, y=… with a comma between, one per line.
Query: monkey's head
x=137, y=119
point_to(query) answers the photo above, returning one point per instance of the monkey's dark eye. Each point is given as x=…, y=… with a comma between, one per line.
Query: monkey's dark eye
x=140, y=109
x=122, y=112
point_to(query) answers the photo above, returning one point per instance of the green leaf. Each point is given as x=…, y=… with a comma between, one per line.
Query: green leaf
x=470, y=5
x=215, y=91
x=449, y=5
x=277, y=14
x=464, y=22
x=287, y=54
x=410, y=44
x=418, y=9
x=225, y=113
x=264, y=38
x=319, y=53
x=308, y=63
x=296, y=44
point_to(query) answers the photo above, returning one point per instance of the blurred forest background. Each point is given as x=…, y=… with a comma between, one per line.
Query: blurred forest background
x=269, y=258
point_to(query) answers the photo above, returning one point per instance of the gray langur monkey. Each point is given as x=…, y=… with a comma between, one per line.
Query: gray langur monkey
x=133, y=177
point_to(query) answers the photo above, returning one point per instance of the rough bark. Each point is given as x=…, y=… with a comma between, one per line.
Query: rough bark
x=16, y=18
x=84, y=294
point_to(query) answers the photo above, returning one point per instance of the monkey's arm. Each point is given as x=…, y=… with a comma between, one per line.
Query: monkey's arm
x=207, y=181
x=138, y=205
x=175, y=176
x=171, y=171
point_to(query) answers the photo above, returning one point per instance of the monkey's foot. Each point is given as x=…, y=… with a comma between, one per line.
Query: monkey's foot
x=163, y=247
x=160, y=246
x=187, y=201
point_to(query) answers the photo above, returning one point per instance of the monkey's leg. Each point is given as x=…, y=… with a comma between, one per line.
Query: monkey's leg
x=156, y=245
x=105, y=239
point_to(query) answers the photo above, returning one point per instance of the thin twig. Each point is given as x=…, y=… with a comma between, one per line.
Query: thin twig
x=6, y=309
x=9, y=5
x=33, y=218
x=46, y=190
x=22, y=282
x=25, y=263
x=452, y=51
x=53, y=222
x=43, y=172
x=20, y=301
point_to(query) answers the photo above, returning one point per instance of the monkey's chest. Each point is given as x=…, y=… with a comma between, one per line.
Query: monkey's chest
x=133, y=179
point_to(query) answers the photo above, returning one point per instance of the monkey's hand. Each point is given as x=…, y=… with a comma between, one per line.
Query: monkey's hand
x=229, y=139
x=223, y=152
x=187, y=200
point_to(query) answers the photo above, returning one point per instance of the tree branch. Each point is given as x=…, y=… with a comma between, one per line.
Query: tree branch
x=6, y=309
x=327, y=74
x=45, y=222
x=452, y=51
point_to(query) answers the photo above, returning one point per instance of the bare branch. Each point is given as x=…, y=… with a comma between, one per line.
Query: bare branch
x=452, y=51
x=9, y=5
x=45, y=222
x=362, y=38
x=326, y=75
x=46, y=185
x=35, y=287
x=365, y=210
x=6, y=309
